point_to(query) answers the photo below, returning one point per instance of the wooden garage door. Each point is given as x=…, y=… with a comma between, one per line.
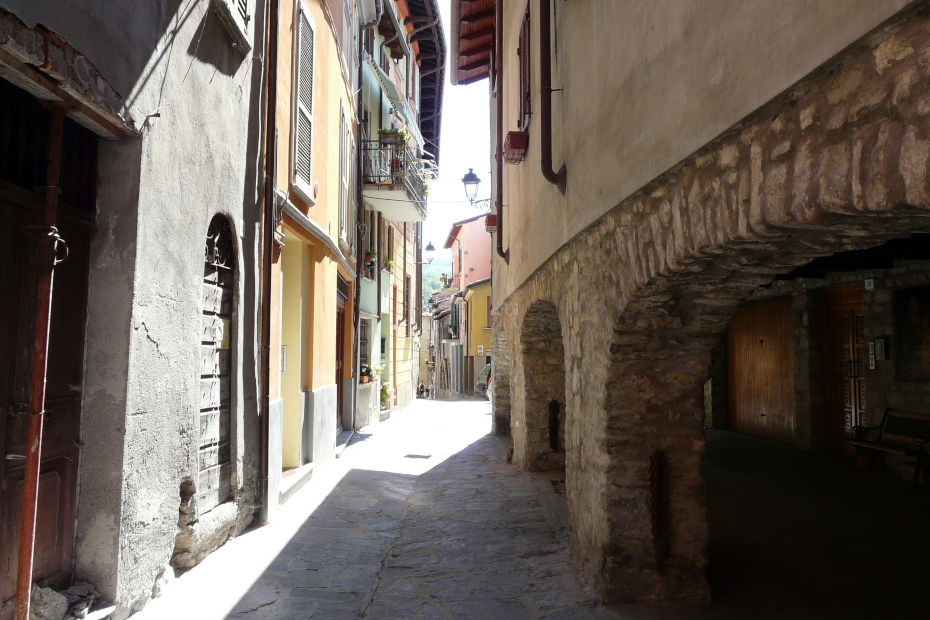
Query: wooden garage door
x=760, y=362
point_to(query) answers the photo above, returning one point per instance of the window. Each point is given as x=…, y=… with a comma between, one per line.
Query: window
x=381, y=257
x=489, y=311
x=303, y=104
x=407, y=304
x=364, y=336
x=390, y=242
x=344, y=150
x=524, y=52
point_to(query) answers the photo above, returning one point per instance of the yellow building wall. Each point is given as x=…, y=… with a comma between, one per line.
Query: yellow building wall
x=479, y=334
x=274, y=343
x=295, y=310
x=331, y=96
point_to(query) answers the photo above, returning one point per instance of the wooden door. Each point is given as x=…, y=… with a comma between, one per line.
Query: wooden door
x=844, y=361
x=760, y=367
x=340, y=355
x=214, y=484
x=57, y=479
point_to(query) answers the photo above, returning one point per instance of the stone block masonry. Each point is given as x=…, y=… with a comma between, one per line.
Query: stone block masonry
x=837, y=162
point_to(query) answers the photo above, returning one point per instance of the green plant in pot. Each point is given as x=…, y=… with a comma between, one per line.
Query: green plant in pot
x=391, y=133
x=389, y=264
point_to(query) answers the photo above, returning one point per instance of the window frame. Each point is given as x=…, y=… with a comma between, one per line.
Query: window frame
x=524, y=56
x=304, y=187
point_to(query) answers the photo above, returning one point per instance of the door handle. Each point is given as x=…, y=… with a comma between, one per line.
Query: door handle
x=14, y=457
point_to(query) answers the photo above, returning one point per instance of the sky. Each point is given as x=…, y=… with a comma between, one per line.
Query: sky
x=464, y=143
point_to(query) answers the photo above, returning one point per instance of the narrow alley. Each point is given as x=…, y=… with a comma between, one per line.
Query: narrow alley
x=420, y=517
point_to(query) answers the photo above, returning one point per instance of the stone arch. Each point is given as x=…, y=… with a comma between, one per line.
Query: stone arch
x=838, y=163
x=538, y=428
x=501, y=362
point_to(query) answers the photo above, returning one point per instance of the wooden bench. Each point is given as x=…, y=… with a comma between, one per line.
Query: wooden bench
x=902, y=433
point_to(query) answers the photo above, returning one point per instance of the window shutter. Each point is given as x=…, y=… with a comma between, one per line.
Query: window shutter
x=303, y=139
x=343, y=173
x=523, y=51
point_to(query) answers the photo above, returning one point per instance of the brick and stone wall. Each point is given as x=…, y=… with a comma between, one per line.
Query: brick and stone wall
x=838, y=162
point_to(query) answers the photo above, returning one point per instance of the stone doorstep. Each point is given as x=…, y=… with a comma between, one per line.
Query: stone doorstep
x=294, y=481
x=342, y=441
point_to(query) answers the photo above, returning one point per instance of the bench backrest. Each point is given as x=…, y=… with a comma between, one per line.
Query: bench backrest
x=904, y=427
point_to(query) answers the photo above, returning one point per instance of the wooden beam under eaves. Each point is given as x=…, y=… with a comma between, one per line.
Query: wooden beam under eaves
x=477, y=17
x=477, y=64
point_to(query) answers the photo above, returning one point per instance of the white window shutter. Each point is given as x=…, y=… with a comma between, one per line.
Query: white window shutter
x=343, y=173
x=303, y=95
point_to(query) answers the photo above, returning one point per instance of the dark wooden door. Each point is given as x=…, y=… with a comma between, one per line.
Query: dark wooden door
x=844, y=361
x=760, y=361
x=55, y=525
x=340, y=355
x=217, y=337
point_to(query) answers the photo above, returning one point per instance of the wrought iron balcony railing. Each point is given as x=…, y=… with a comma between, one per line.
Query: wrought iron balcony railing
x=391, y=163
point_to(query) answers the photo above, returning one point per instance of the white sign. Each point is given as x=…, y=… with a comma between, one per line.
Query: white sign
x=480, y=349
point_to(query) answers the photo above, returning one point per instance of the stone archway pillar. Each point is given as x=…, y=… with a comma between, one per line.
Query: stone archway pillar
x=656, y=547
x=501, y=364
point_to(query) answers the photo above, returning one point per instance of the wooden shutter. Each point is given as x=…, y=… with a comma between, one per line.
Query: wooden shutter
x=524, y=52
x=303, y=95
x=343, y=173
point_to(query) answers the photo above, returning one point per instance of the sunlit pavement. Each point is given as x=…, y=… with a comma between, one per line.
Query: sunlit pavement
x=421, y=517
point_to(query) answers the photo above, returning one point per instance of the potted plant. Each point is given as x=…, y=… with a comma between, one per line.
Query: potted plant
x=391, y=134
x=389, y=264
x=364, y=373
x=387, y=394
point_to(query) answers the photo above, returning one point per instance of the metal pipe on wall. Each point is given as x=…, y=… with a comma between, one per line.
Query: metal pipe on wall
x=48, y=243
x=499, y=120
x=360, y=261
x=267, y=235
x=545, y=99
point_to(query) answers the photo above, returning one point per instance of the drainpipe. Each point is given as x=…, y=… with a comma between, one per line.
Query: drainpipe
x=498, y=149
x=360, y=207
x=48, y=243
x=420, y=29
x=545, y=105
x=267, y=227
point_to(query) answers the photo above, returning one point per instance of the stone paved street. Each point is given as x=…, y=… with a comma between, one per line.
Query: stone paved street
x=422, y=517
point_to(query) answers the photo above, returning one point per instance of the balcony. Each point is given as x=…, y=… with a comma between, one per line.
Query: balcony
x=395, y=180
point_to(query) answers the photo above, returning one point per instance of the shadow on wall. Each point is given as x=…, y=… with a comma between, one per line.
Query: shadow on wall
x=213, y=46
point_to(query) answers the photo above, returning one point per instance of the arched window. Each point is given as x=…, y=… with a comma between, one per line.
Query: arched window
x=217, y=337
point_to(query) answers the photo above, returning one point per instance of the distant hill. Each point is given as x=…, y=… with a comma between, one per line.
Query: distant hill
x=432, y=273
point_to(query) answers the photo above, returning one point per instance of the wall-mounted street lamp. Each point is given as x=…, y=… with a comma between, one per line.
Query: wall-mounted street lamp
x=471, y=182
x=429, y=249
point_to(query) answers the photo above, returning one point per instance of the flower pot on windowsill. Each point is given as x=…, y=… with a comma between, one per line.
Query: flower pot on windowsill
x=364, y=379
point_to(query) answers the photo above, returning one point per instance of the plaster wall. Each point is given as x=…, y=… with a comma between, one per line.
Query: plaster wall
x=479, y=334
x=654, y=89
x=295, y=265
x=475, y=243
x=331, y=95
x=191, y=96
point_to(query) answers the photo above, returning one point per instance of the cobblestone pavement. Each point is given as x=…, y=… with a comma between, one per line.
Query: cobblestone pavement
x=420, y=530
